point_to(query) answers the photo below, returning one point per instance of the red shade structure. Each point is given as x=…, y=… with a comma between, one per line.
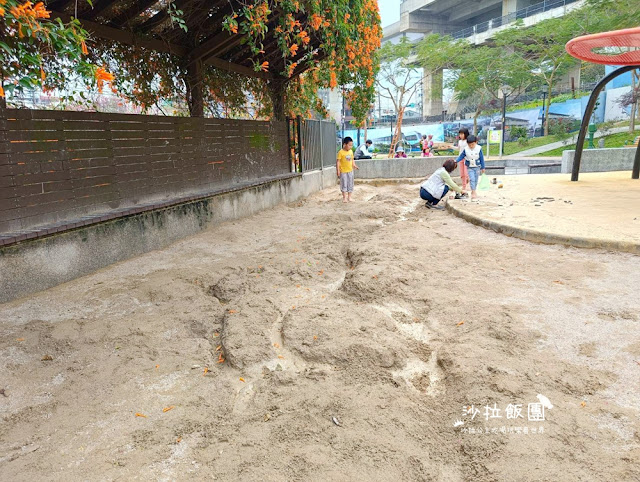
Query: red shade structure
x=583, y=47
x=619, y=47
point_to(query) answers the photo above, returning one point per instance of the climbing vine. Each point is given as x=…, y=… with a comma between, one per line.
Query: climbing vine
x=348, y=32
x=38, y=51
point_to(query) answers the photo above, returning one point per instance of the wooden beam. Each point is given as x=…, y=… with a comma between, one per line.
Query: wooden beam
x=215, y=45
x=161, y=16
x=132, y=12
x=97, y=9
x=303, y=67
x=60, y=5
x=238, y=69
x=125, y=37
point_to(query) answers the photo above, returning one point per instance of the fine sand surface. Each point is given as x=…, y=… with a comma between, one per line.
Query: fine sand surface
x=350, y=339
x=601, y=205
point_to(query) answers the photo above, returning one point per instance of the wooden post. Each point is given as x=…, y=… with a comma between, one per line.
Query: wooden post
x=277, y=89
x=195, y=94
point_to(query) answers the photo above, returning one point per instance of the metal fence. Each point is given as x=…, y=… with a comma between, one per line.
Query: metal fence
x=512, y=17
x=318, y=147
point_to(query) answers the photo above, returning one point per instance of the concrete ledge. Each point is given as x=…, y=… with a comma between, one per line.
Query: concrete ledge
x=404, y=168
x=34, y=265
x=542, y=237
x=600, y=160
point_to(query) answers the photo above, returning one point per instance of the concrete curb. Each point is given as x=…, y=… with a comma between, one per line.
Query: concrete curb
x=542, y=237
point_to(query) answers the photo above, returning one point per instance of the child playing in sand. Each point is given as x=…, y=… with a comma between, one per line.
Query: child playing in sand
x=463, y=133
x=344, y=167
x=474, y=161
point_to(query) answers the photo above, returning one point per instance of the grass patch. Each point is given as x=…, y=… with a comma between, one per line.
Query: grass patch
x=515, y=147
x=614, y=140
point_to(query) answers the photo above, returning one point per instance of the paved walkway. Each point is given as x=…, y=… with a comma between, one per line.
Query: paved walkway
x=554, y=145
x=599, y=211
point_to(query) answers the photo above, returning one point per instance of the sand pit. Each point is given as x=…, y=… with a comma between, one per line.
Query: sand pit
x=324, y=341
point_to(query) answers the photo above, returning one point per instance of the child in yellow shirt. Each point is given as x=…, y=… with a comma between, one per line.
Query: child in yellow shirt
x=344, y=167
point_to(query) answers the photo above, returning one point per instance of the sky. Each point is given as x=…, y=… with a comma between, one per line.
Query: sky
x=389, y=11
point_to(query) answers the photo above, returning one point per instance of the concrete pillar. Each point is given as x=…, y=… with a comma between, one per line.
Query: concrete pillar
x=432, y=94
x=509, y=6
x=574, y=72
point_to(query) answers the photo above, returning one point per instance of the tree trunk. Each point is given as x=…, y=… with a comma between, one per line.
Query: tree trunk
x=3, y=100
x=475, y=120
x=195, y=97
x=277, y=89
x=546, y=112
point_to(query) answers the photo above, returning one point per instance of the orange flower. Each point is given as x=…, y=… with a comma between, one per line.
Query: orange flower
x=316, y=21
x=1, y=12
x=265, y=66
x=293, y=49
x=304, y=36
x=346, y=17
x=292, y=67
x=40, y=11
x=334, y=82
x=1, y=91
x=84, y=48
x=42, y=74
x=103, y=76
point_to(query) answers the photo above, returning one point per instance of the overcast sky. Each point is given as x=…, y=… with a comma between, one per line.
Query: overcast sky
x=389, y=11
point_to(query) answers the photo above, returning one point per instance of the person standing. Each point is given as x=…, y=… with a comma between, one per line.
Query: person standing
x=474, y=161
x=463, y=134
x=345, y=165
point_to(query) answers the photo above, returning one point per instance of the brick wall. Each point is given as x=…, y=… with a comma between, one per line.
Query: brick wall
x=59, y=165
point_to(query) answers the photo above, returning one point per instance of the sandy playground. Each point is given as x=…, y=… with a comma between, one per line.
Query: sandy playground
x=324, y=341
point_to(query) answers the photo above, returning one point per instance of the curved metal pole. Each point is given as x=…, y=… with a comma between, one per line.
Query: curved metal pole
x=635, y=174
x=587, y=115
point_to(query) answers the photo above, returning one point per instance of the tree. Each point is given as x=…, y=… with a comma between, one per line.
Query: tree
x=36, y=51
x=631, y=99
x=543, y=47
x=398, y=80
x=481, y=73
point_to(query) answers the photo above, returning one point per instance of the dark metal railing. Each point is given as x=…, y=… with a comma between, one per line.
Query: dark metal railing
x=512, y=17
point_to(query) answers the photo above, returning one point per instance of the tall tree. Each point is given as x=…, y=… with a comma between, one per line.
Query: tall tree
x=399, y=79
x=481, y=73
x=543, y=47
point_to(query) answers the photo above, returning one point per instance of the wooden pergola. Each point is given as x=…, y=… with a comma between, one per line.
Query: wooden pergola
x=147, y=24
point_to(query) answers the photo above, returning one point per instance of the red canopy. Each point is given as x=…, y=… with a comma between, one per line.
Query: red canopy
x=582, y=47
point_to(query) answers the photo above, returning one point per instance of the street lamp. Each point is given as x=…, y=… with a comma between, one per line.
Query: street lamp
x=503, y=91
x=545, y=90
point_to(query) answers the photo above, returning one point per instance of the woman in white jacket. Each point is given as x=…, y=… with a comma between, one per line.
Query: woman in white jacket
x=437, y=186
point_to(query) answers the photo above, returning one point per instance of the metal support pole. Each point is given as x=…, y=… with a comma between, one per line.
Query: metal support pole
x=292, y=155
x=635, y=174
x=299, y=122
x=582, y=134
x=504, y=121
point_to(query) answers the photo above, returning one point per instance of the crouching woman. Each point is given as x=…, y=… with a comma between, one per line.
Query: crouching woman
x=437, y=186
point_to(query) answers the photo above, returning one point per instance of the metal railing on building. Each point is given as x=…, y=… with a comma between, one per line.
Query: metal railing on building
x=541, y=7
